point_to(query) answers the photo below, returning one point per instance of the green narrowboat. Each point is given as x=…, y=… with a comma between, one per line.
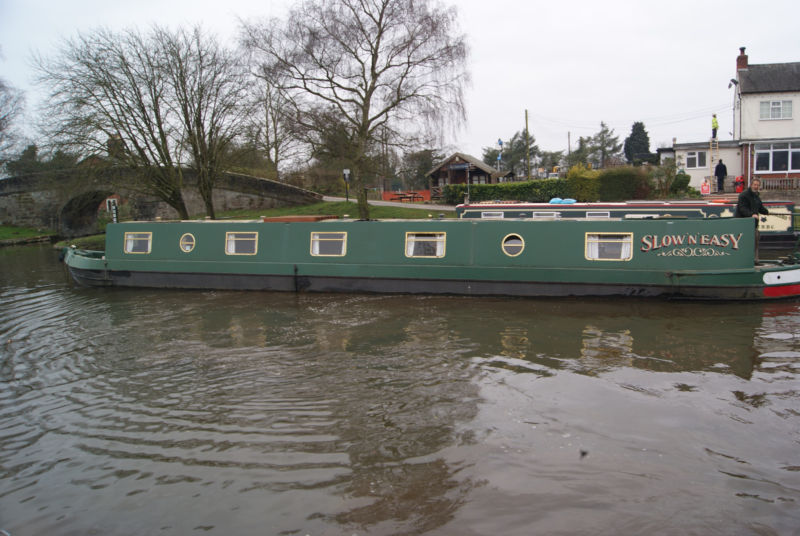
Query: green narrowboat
x=706, y=259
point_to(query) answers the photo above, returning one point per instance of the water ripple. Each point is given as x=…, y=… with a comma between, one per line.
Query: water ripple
x=133, y=411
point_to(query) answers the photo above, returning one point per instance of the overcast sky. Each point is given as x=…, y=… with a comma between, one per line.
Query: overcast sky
x=571, y=64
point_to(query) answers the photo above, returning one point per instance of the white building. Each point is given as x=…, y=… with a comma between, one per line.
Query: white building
x=766, y=130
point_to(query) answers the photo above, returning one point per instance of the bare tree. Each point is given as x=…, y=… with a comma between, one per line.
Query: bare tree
x=11, y=107
x=108, y=94
x=397, y=65
x=156, y=103
x=209, y=89
x=271, y=129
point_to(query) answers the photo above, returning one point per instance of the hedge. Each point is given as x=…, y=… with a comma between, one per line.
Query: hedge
x=581, y=184
x=537, y=191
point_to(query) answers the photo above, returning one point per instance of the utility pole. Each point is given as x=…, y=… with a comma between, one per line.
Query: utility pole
x=527, y=148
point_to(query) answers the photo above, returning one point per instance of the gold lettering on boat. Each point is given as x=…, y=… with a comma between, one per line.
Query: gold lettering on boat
x=712, y=243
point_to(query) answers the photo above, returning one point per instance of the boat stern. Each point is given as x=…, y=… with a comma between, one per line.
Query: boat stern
x=782, y=283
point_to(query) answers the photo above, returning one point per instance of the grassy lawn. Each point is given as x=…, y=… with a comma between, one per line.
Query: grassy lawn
x=7, y=232
x=93, y=242
x=341, y=209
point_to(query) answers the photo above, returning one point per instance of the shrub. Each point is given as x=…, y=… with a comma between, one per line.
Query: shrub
x=583, y=183
x=680, y=183
x=620, y=183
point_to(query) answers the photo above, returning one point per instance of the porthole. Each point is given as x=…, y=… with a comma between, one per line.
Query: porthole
x=187, y=242
x=513, y=245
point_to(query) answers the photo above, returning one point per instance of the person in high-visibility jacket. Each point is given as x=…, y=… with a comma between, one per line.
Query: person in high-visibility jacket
x=714, y=125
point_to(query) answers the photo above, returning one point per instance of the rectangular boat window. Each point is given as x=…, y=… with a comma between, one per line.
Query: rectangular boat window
x=598, y=215
x=609, y=246
x=546, y=215
x=492, y=215
x=328, y=244
x=641, y=216
x=241, y=243
x=425, y=244
x=138, y=242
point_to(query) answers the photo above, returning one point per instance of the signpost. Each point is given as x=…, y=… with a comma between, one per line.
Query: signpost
x=111, y=206
x=346, y=173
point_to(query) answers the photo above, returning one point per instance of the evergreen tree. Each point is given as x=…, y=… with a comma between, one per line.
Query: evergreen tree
x=605, y=144
x=637, y=145
x=514, y=154
x=27, y=162
x=582, y=154
x=417, y=164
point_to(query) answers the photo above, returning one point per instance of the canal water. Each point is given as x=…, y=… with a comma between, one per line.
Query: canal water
x=129, y=412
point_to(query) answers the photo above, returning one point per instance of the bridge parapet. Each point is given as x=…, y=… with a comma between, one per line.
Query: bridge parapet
x=68, y=201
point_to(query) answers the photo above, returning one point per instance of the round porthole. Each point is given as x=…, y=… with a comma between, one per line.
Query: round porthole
x=513, y=245
x=187, y=242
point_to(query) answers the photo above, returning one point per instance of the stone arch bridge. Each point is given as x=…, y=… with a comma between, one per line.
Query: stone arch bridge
x=68, y=201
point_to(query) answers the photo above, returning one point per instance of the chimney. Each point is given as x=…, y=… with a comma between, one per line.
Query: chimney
x=741, y=60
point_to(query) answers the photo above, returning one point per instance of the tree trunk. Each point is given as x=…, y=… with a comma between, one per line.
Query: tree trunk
x=363, y=206
x=206, y=187
x=177, y=203
x=360, y=193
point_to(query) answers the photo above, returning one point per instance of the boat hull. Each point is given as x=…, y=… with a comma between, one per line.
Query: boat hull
x=530, y=289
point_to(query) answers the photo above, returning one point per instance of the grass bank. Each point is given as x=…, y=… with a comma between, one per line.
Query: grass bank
x=10, y=234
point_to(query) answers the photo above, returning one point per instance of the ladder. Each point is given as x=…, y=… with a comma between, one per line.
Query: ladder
x=713, y=156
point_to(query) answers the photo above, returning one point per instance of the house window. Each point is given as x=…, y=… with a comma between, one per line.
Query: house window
x=328, y=244
x=425, y=244
x=775, y=110
x=609, y=246
x=777, y=157
x=513, y=245
x=138, y=242
x=696, y=159
x=241, y=243
x=187, y=242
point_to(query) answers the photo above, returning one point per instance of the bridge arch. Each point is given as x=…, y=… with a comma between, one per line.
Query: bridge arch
x=78, y=216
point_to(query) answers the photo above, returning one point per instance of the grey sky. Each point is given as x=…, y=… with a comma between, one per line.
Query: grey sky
x=571, y=64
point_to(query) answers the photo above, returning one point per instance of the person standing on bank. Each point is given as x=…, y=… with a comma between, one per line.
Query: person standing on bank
x=720, y=172
x=750, y=206
x=714, y=126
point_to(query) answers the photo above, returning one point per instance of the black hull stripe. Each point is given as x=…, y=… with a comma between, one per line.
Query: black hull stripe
x=94, y=278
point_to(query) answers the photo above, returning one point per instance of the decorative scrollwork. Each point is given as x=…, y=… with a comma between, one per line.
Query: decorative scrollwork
x=693, y=252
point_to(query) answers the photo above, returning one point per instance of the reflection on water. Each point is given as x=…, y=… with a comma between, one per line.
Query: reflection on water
x=136, y=412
